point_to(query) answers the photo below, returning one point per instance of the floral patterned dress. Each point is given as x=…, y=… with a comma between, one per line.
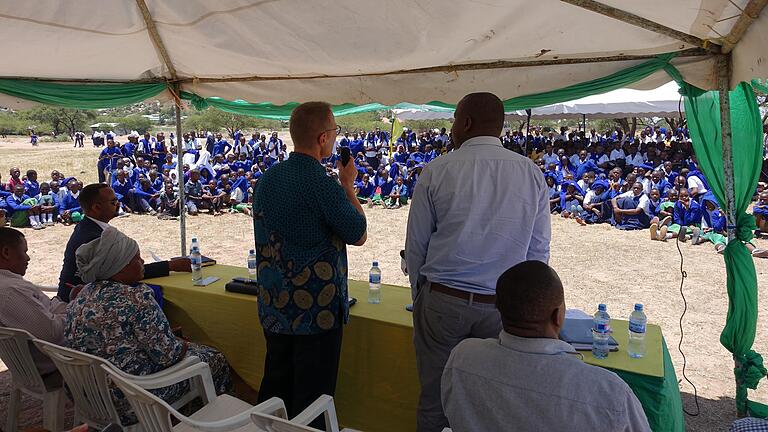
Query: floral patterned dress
x=125, y=326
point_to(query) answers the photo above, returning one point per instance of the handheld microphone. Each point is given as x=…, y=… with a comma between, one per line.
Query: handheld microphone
x=345, y=156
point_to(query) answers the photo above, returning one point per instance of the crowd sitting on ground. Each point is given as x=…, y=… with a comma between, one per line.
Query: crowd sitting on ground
x=649, y=181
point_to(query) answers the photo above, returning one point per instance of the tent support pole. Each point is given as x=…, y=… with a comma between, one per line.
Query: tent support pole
x=584, y=120
x=723, y=66
x=180, y=168
x=527, y=132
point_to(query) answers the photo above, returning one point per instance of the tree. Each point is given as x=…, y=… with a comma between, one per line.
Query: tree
x=58, y=120
x=215, y=120
x=10, y=123
x=136, y=123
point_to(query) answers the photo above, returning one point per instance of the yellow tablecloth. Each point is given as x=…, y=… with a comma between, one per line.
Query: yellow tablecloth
x=378, y=384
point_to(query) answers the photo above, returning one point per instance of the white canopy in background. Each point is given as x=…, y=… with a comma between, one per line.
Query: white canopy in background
x=660, y=102
x=361, y=51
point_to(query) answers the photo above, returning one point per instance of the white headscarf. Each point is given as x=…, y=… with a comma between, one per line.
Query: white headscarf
x=105, y=256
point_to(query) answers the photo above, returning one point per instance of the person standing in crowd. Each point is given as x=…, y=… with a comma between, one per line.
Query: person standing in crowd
x=100, y=205
x=459, y=241
x=302, y=259
x=526, y=376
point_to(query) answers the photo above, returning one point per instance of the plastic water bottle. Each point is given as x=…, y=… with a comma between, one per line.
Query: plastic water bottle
x=252, y=265
x=602, y=317
x=600, y=336
x=637, y=322
x=196, y=260
x=374, y=284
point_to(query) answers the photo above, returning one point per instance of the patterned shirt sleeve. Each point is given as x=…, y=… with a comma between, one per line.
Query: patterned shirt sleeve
x=340, y=215
x=153, y=331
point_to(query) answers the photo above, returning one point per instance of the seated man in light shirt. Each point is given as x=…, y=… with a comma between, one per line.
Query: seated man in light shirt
x=528, y=379
x=23, y=305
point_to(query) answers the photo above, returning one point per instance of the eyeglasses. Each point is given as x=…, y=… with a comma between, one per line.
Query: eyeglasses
x=337, y=129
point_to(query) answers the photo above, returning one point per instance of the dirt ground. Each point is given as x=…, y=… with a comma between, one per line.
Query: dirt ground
x=596, y=263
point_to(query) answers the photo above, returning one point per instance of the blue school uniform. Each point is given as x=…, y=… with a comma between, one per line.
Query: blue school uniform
x=367, y=189
x=689, y=216
x=171, y=166
x=400, y=157
x=757, y=210
x=145, y=146
x=14, y=204
x=31, y=188
x=122, y=190
x=663, y=186
x=158, y=184
x=53, y=197
x=386, y=186
x=112, y=153
x=715, y=219
x=129, y=149
x=221, y=147
x=356, y=146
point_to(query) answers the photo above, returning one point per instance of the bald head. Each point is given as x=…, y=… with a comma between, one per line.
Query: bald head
x=477, y=114
x=529, y=297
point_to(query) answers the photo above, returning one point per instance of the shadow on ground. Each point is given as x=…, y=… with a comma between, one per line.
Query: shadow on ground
x=714, y=414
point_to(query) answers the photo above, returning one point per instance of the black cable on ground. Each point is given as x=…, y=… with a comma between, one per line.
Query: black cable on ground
x=683, y=275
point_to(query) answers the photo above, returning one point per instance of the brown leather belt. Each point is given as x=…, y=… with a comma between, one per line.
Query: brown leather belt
x=464, y=295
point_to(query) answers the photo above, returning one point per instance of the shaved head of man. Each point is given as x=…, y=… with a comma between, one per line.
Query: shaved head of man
x=477, y=114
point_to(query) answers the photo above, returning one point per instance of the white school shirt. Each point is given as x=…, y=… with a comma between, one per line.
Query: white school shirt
x=645, y=202
x=695, y=182
x=618, y=154
x=635, y=160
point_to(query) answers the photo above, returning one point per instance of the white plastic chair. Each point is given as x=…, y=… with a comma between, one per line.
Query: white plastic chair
x=88, y=385
x=224, y=413
x=25, y=378
x=322, y=406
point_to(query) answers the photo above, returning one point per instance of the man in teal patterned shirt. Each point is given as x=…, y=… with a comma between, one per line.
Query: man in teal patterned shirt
x=303, y=220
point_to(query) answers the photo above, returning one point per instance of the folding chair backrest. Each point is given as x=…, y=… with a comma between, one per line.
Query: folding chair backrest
x=153, y=413
x=87, y=383
x=15, y=353
x=271, y=423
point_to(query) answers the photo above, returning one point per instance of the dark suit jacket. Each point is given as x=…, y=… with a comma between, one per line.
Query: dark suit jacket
x=86, y=231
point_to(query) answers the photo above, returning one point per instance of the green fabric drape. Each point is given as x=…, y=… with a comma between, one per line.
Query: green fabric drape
x=82, y=96
x=604, y=84
x=703, y=113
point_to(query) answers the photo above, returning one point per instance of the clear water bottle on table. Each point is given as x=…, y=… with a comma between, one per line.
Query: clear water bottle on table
x=374, y=284
x=253, y=271
x=196, y=260
x=601, y=332
x=637, y=325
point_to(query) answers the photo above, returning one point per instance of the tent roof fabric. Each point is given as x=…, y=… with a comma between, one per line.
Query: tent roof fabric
x=361, y=51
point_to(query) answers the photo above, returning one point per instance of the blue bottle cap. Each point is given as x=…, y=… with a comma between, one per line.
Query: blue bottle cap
x=375, y=263
x=252, y=251
x=601, y=307
x=638, y=306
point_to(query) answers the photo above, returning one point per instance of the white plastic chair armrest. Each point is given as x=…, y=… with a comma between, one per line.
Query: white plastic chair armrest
x=154, y=381
x=184, y=363
x=321, y=405
x=273, y=406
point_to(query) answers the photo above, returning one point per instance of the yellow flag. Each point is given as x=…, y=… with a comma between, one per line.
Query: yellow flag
x=397, y=130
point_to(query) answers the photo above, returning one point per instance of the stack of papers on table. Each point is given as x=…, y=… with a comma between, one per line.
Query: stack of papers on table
x=577, y=331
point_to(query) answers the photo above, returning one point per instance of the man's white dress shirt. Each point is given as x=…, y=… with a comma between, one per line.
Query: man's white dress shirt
x=534, y=384
x=475, y=213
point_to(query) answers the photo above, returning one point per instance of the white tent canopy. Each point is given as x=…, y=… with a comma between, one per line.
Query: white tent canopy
x=361, y=51
x=659, y=102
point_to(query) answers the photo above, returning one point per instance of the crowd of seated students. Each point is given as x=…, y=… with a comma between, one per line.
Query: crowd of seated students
x=388, y=170
x=650, y=181
x=26, y=201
